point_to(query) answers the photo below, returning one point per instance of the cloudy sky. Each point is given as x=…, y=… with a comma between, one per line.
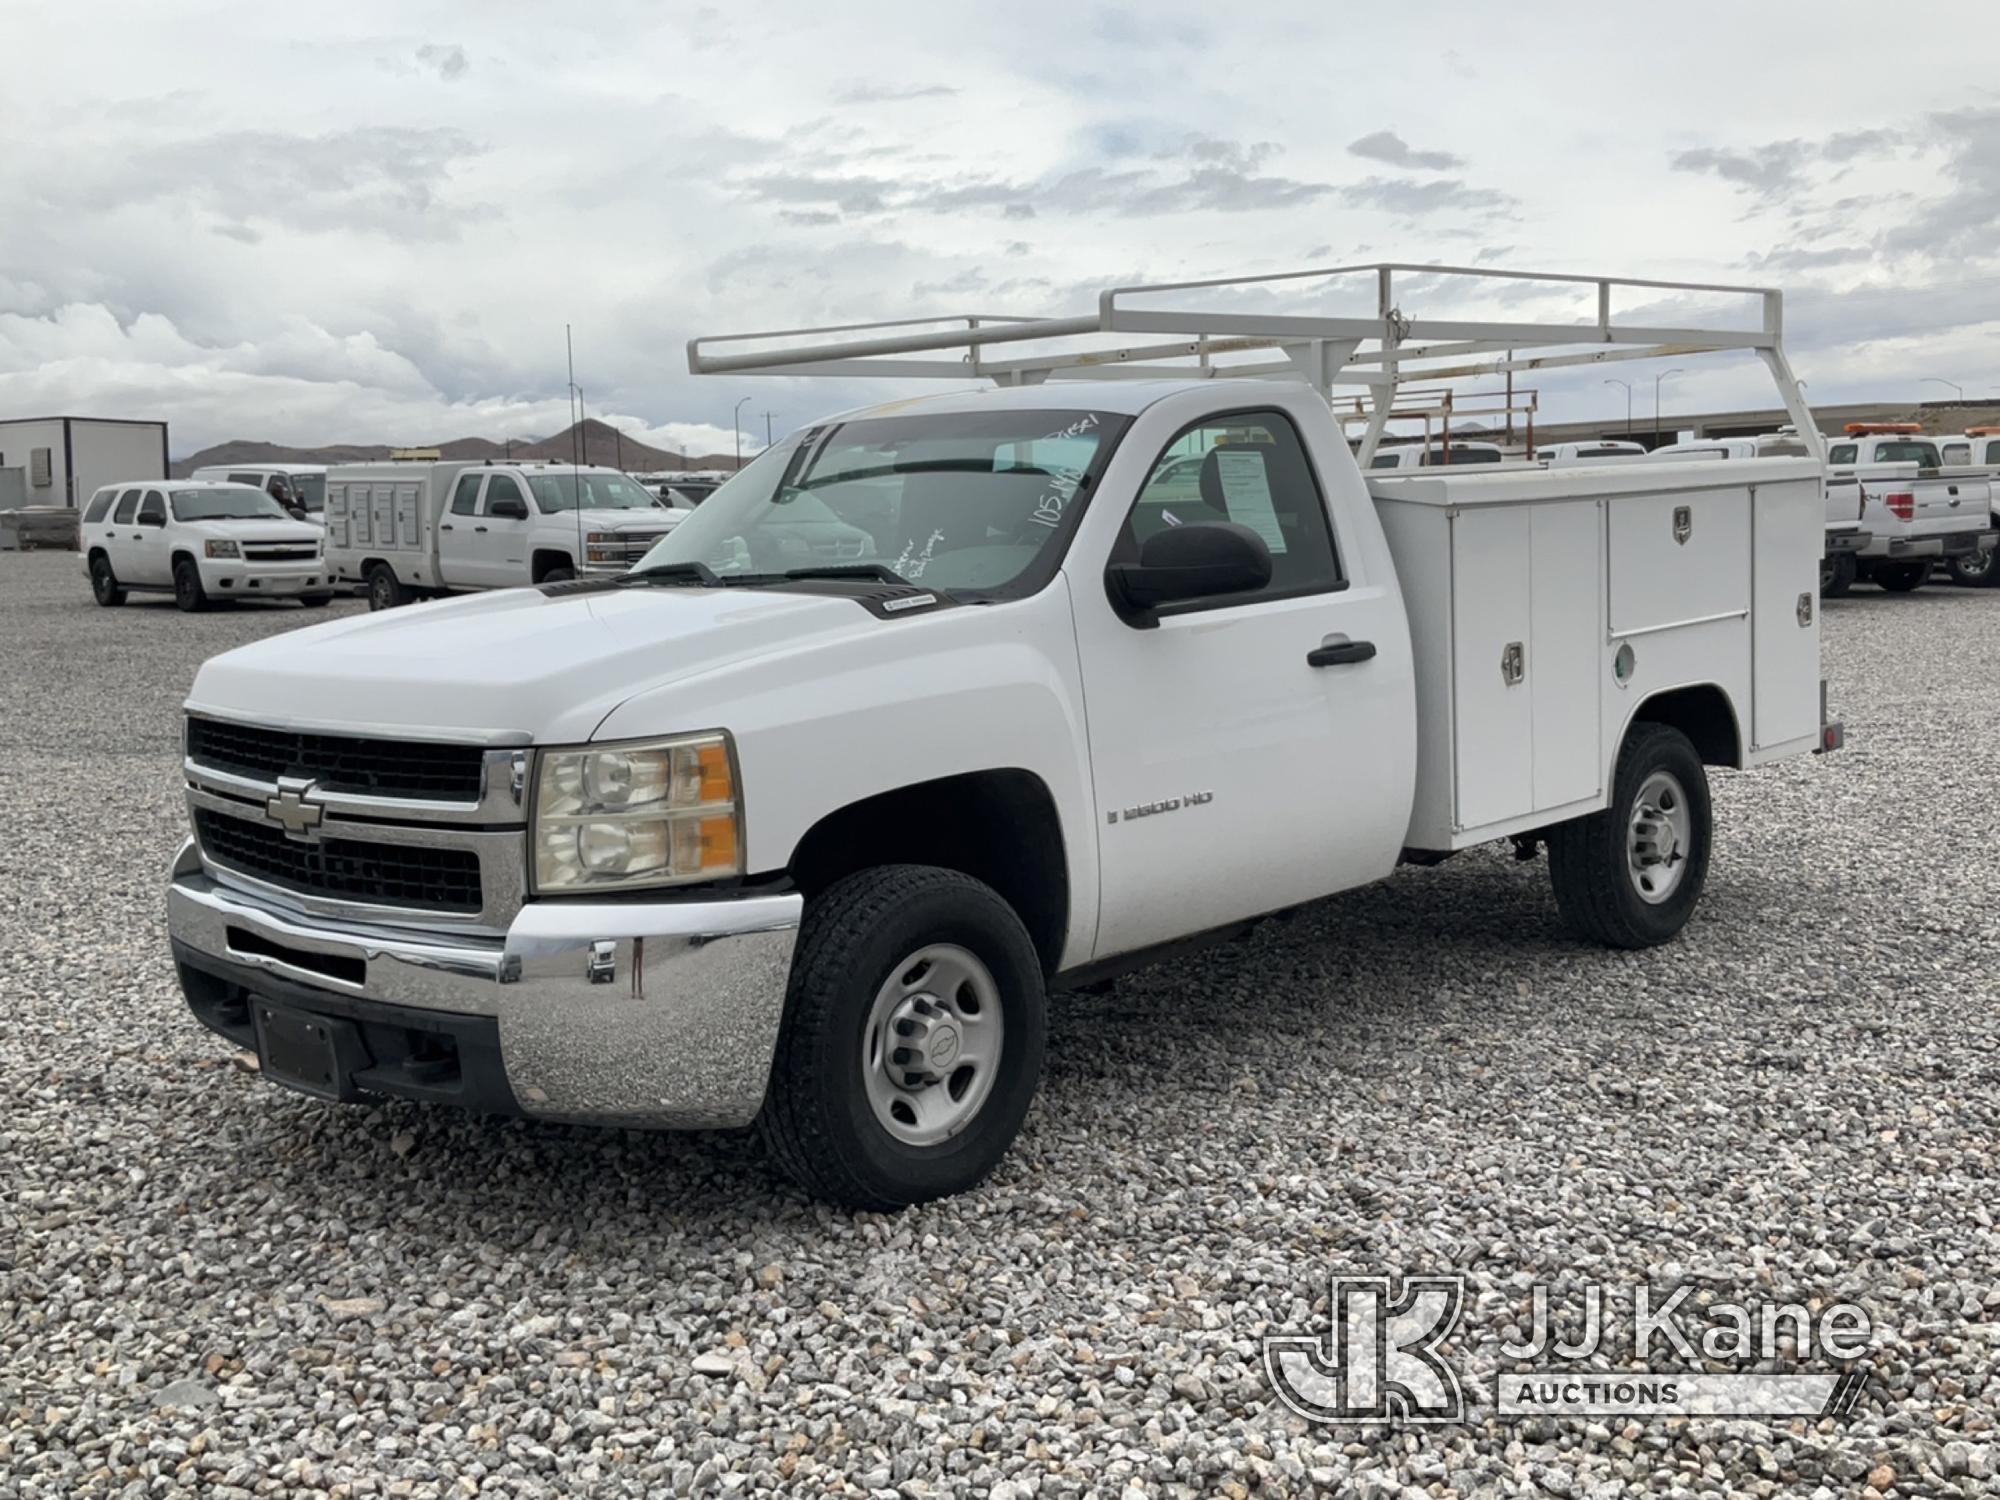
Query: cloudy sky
x=370, y=222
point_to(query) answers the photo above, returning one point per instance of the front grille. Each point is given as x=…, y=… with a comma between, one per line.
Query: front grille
x=344, y=869
x=630, y=546
x=279, y=552
x=338, y=762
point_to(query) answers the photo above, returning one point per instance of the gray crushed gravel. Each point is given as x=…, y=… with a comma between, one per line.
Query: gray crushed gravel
x=208, y=1284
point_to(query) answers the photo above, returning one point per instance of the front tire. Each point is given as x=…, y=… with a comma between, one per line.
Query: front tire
x=315, y=601
x=1903, y=577
x=912, y=1042
x=1975, y=570
x=1629, y=877
x=104, y=583
x=190, y=598
x=385, y=589
x=557, y=575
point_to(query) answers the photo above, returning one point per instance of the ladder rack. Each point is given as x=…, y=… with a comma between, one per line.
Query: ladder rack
x=1238, y=327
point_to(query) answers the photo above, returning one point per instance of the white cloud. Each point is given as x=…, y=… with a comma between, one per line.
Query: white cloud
x=388, y=240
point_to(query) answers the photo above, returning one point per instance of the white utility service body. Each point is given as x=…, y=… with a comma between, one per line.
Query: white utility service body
x=760, y=833
x=418, y=529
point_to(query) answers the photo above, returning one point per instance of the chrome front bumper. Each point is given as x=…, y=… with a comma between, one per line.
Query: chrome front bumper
x=661, y=1014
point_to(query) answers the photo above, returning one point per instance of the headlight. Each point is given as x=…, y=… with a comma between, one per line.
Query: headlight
x=221, y=549
x=661, y=812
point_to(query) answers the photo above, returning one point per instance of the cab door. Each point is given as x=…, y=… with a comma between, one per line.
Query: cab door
x=1252, y=751
x=498, y=557
x=458, y=540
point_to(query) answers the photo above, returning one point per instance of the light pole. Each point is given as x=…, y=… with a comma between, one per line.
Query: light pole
x=1656, y=401
x=767, y=429
x=736, y=421
x=1628, y=402
x=1934, y=380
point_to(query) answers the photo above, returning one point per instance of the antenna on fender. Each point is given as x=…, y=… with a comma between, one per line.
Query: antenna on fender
x=575, y=437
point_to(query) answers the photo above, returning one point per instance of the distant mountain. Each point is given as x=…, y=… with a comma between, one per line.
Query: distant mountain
x=589, y=442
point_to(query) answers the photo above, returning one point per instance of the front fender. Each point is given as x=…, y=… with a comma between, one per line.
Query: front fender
x=832, y=721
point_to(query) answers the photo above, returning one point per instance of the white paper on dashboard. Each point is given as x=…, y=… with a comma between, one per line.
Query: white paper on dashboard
x=1246, y=490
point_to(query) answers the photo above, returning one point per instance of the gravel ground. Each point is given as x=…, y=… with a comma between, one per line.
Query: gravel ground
x=207, y=1283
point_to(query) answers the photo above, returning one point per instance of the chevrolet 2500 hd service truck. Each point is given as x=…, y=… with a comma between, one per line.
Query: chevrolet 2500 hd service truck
x=752, y=833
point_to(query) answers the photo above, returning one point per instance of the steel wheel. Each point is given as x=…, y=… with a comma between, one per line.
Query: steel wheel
x=931, y=1048
x=1973, y=569
x=1658, y=837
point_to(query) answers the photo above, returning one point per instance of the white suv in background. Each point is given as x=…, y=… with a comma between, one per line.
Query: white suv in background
x=200, y=541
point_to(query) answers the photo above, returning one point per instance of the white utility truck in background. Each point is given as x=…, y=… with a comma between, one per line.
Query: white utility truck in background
x=1428, y=454
x=760, y=831
x=417, y=530
x=1598, y=451
x=1846, y=526
x=1977, y=447
x=1917, y=512
x=300, y=488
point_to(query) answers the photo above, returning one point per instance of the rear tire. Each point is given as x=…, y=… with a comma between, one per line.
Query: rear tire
x=839, y=1118
x=315, y=601
x=1903, y=577
x=1975, y=570
x=190, y=598
x=104, y=583
x=1629, y=877
x=385, y=589
x=1836, y=575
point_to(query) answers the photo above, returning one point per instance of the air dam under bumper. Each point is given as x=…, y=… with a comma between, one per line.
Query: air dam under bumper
x=660, y=1014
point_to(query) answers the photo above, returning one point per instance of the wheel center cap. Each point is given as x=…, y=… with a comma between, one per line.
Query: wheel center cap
x=943, y=1046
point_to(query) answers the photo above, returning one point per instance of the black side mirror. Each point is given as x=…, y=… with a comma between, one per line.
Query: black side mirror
x=507, y=508
x=1200, y=560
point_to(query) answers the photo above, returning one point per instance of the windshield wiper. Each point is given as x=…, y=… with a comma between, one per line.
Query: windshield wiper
x=880, y=572
x=679, y=572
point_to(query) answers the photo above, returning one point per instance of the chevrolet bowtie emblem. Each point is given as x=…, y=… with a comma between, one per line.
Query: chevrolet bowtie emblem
x=291, y=811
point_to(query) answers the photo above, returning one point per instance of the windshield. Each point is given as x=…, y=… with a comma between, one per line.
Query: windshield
x=310, y=491
x=1462, y=453
x=962, y=500
x=601, y=491
x=227, y=502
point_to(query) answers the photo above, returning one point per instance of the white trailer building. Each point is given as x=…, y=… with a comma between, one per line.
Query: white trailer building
x=65, y=459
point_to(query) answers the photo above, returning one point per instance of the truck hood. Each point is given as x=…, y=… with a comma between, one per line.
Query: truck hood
x=513, y=666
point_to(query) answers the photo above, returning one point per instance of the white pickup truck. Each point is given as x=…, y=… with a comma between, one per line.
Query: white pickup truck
x=418, y=530
x=1977, y=448
x=1916, y=512
x=753, y=834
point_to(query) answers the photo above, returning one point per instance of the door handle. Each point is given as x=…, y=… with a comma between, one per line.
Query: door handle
x=445, y=527
x=1341, y=654
x=480, y=529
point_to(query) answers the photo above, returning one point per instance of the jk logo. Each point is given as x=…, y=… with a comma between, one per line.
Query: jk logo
x=1379, y=1360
